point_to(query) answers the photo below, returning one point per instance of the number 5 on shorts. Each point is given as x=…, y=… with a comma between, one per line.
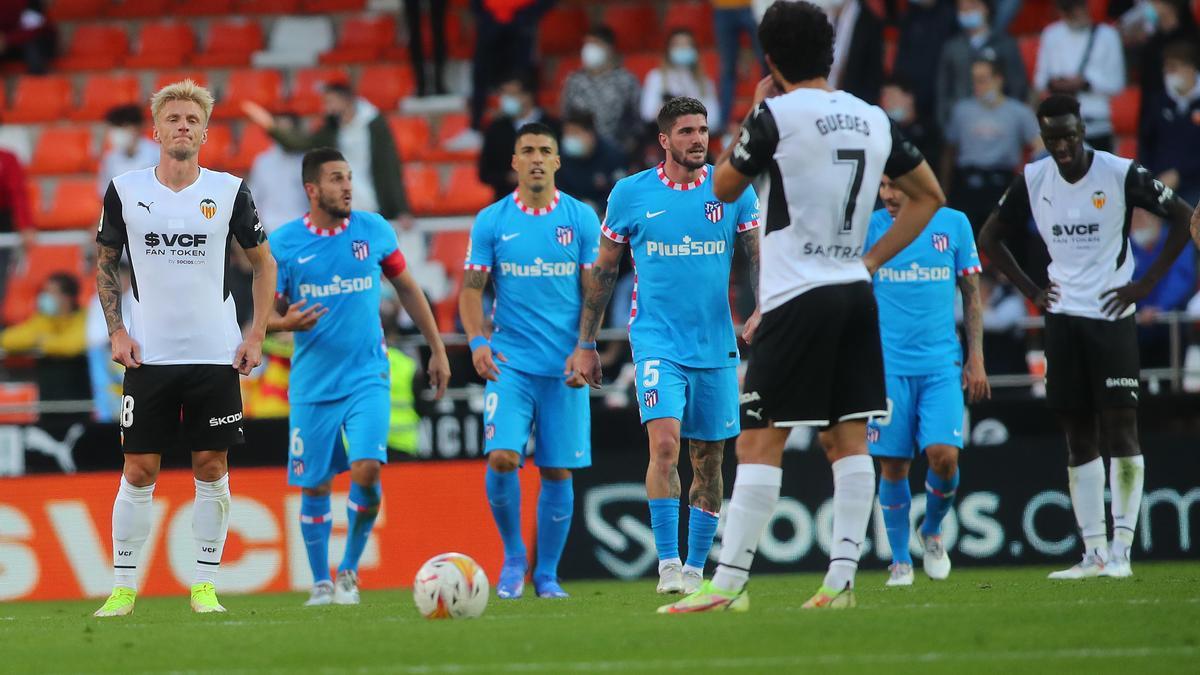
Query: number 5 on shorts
x=650, y=373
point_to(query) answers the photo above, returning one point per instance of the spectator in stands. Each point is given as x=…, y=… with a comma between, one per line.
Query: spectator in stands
x=57, y=336
x=732, y=19
x=361, y=133
x=680, y=74
x=1169, y=134
x=605, y=89
x=416, y=45
x=16, y=214
x=105, y=374
x=924, y=30
x=518, y=107
x=1083, y=59
x=1166, y=21
x=898, y=100
x=128, y=147
x=1147, y=237
x=275, y=179
x=590, y=164
x=977, y=41
x=985, y=140
x=27, y=35
x=857, y=48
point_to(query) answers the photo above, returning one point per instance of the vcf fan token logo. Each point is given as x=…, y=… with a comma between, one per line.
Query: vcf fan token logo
x=209, y=208
x=651, y=397
x=714, y=211
x=1098, y=199
x=564, y=234
x=941, y=242
x=360, y=249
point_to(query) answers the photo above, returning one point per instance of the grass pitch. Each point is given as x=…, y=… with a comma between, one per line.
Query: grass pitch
x=979, y=621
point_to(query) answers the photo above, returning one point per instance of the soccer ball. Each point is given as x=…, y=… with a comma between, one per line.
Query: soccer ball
x=450, y=586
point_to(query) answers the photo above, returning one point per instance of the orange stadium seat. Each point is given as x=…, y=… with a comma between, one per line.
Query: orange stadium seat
x=450, y=126
x=889, y=55
x=252, y=142
x=268, y=6
x=41, y=262
x=63, y=150
x=264, y=87
x=641, y=63
x=230, y=43
x=363, y=39
x=95, y=48
x=694, y=16
x=306, y=91
x=450, y=249
x=1033, y=17
x=162, y=44
x=102, y=92
x=172, y=76
x=1127, y=146
x=74, y=10
x=217, y=150
x=33, y=191
x=424, y=189
x=465, y=194
x=202, y=7
x=636, y=26
x=138, y=9
x=19, y=393
x=384, y=85
x=561, y=30
x=1125, y=107
x=323, y=6
x=1028, y=45
x=460, y=37
x=76, y=206
x=411, y=135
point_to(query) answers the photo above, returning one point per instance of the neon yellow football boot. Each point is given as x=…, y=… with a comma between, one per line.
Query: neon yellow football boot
x=120, y=603
x=204, y=599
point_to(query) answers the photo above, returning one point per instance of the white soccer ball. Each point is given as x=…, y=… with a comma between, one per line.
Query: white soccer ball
x=450, y=586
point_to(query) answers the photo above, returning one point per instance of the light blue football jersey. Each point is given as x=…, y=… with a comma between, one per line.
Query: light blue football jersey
x=535, y=257
x=682, y=238
x=915, y=293
x=341, y=269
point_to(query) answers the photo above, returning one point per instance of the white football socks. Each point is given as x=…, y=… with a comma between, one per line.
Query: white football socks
x=853, y=499
x=1125, y=478
x=755, y=492
x=1087, y=498
x=210, y=525
x=132, y=513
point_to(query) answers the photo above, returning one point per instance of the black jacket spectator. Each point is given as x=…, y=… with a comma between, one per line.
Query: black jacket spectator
x=924, y=31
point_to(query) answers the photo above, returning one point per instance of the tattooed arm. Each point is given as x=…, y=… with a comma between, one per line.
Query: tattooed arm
x=749, y=241
x=974, y=376
x=597, y=292
x=470, y=310
x=125, y=350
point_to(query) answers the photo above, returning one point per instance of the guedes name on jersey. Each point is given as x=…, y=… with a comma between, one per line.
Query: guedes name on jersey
x=843, y=252
x=831, y=123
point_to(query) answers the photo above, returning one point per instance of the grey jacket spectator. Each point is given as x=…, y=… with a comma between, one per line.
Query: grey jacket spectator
x=605, y=89
x=977, y=41
x=128, y=147
x=275, y=181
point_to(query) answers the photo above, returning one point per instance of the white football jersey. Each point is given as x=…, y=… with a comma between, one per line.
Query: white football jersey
x=825, y=152
x=1085, y=225
x=182, y=311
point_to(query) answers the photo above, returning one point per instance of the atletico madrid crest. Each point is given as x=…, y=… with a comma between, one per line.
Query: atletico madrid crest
x=360, y=249
x=941, y=242
x=714, y=211
x=650, y=397
x=564, y=234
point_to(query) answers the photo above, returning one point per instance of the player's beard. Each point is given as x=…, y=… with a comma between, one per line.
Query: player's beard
x=182, y=154
x=681, y=158
x=333, y=206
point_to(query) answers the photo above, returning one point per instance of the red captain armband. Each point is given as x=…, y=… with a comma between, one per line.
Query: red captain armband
x=394, y=264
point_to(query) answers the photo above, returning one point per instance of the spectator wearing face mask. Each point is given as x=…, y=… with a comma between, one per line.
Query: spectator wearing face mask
x=57, y=337
x=605, y=89
x=1169, y=135
x=128, y=147
x=275, y=179
x=1148, y=28
x=1147, y=236
x=1083, y=59
x=978, y=40
x=679, y=75
x=517, y=108
x=898, y=100
x=590, y=164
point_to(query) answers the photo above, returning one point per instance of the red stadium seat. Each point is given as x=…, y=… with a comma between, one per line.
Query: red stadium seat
x=306, y=92
x=76, y=206
x=411, y=135
x=230, y=43
x=465, y=194
x=642, y=63
x=384, y=85
x=636, y=26
x=18, y=393
x=268, y=6
x=889, y=55
x=218, y=149
x=1127, y=146
x=264, y=87
x=40, y=99
x=1033, y=17
x=1125, y=107
x=63, y=150
x=162, y=44
x=171, y=77
x=74, y=10
x=103, y=92
x=252, y=142
x=202, y=7
x=694, y=16
x=138, y=9
x=363, y=39
x=450, y=249
x=450, y=126
x=561, y=30
x=95, y=48
x=41, y=262
x=324, y=6
x=424, y=189
x=1028, y=46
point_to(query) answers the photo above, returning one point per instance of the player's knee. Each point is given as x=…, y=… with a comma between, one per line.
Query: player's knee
x=895, y=469
x=503, y=461
x=365, y=472
x=825, y=438
x=209, y=466
x=664, y=450
x=322, y=490
x=555, y=474
x=943, y=460
x=139, y=474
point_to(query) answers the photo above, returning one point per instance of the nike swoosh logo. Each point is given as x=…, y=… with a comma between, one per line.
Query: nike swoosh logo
x=729, y=424
x=655, y=214
x=957, y=432
x=506, y=237
x=306, y=258
x=558, y=519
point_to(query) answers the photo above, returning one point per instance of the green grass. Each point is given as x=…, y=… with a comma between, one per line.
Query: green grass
x=980, y=621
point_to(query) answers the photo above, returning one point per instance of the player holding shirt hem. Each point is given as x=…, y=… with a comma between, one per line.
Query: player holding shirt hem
x=330, y=263
x=533, y=245
x=685, y=352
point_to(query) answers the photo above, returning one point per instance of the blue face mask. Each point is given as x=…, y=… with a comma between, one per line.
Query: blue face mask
x=510, y=105
x=897, y=114
x=47, y=304
x=684, y=57
x=574, y=146
x=971, y=20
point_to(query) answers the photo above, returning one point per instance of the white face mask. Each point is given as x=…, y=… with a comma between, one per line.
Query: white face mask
x=1178, y=84
x=1144, y=237
x=510, y=105
x=120, y=137
x=593, y=55
x=684, y=57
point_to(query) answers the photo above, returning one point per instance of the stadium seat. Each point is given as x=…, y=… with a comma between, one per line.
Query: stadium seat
x=218, y=149
x=264, y=87
x=1127, y=146
x=307, y=87
x=172, y=76
x=561, y=30
x=465, y=194
x=95, y=48
x=450, y=249
x=76, y=206
x=230, y=43
x=635, y=24
x=556, y=77
x=384, y=85
x=252, y=142
x=137, y=9
x=295, y=41
x=268, y=6
x=324, y=6
x=162, y=44
x=641, y=63
x=423, y=186
x=450, y=126
x=74, y=10
x=1032, y=18
x=40, y=99
x=1125, y=107
x=411, y=135
x=202, y=7
x=41, y=262
x=63, y=150
x=18, y=394
x=363, y=39
x=694, y=16
x=889, y=56
x=103, y=92
x=33, y=192
x=1029, y=45
x=16, y=139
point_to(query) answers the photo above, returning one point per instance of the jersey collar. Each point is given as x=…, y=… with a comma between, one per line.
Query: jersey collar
x=530, y=211
x=324, y=231
x=662, y=176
